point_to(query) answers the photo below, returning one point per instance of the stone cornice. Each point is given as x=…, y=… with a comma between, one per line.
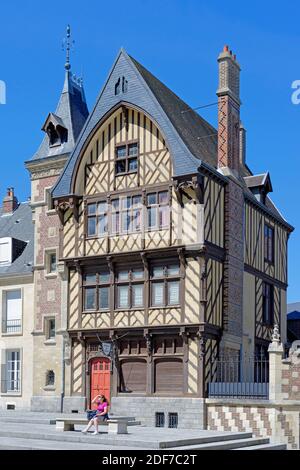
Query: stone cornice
x=46, y=167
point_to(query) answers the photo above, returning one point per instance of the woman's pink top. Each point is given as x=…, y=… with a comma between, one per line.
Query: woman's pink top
x=101, y=406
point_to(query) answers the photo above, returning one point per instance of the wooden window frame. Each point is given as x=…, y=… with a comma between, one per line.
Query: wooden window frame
x=126, y=158
x=97, y=216
x=157, y=207
x=269, y=252
x=97, y=285
x=268, y=316
x=122, y=211
x=130, y=281
x=165, y=279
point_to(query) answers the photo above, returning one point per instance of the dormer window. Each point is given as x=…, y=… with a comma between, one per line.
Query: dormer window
x=126, y=158
x=53, y=135
x=56, y=130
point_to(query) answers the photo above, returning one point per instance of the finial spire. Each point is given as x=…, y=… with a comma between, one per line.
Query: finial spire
x=67, y=44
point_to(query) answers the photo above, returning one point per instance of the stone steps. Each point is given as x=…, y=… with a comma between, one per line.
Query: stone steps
x=226, y=445
x=265, y=447
x=8, y=443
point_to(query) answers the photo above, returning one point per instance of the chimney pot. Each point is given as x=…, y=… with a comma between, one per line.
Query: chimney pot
x=10, y=202
x=226, y=48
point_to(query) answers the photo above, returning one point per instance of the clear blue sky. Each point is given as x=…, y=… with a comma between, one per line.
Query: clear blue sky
x=179, y=42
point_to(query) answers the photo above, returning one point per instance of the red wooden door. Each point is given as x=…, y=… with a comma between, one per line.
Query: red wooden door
x=100, y=378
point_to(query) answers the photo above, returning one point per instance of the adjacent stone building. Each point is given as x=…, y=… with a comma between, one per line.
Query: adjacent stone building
x=16, y=302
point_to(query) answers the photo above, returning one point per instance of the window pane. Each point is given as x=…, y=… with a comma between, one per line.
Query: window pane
x=125, y=221
x=51, y=328
x=152, y=199
x=115, y=223
x=123, y=275
x=121, y=151
x=164, y=216
x=90, y=298
x=121, y=167
x=158, y=271
x=132, y=164
x=102, y=207
x=13, y=321
x=137, y=273
x=52, y=263
x=157, y=294
x=104, y=276
x=123, y=296
x=133, y=149
x=152, y=217
x=126, y=202
x=137, y=295
x=91, y=209
x=90, y=278
x=173, y=292
x=136, y=201
x=91, y=226
x=103, y=297
x=102, y=224
x=136, y=220
x=173, y=269
x=115, y=205
x=163, y=197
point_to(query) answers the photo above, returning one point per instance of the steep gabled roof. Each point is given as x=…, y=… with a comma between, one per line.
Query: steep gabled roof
x=198, y=135
x=182, y=131
x=72, y=111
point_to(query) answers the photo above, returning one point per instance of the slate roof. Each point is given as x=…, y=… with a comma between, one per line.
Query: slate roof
x=254, y=181
x=181, y=130
x=19, y=225
x=72, y=112
x=198, y=135
x=295, y=315
x=192, y=141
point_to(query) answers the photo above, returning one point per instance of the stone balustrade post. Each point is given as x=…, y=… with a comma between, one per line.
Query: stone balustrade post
x=275, y=366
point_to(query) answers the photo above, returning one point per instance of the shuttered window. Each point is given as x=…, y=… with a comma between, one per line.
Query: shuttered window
x=169, y=376
x=133, y=376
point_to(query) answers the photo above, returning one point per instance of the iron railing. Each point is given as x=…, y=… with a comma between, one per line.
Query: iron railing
x=240, y=377
x=12, y=326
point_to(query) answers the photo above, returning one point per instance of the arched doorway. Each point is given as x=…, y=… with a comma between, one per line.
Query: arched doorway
x=100, y=378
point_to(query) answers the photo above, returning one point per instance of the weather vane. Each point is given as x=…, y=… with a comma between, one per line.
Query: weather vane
x=67, y=45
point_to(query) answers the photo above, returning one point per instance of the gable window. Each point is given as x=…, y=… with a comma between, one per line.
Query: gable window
x=268, y=303
x=12, y=321
x=96, y=291
x=97, y=219
x=130, y=288
x=126, y=158
x=165, y=285
x=269, y=243
x=126, y=213
x=158, y=210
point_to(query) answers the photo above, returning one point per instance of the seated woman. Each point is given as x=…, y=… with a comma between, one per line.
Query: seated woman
x=101, y=415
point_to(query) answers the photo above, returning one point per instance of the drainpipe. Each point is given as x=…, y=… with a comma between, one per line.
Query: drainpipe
x=62, y=394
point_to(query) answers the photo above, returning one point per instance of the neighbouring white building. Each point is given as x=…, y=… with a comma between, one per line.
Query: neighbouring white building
x=16, y=303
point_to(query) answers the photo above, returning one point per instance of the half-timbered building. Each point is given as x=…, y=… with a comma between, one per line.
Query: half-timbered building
x=171, y=250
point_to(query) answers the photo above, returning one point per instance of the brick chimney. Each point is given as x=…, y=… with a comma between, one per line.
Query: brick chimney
x=229, y=112
x=10, y=202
